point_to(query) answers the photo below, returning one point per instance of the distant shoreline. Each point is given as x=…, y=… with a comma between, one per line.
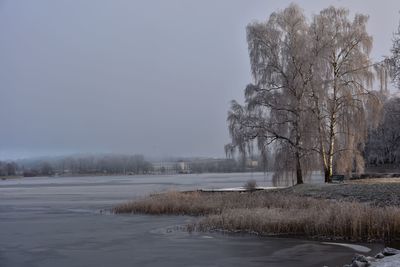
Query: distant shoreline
x=113, y=175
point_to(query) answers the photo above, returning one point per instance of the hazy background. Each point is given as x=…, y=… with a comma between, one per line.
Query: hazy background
x=151, y=77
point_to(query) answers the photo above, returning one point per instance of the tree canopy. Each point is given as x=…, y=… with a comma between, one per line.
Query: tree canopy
x=312, y=100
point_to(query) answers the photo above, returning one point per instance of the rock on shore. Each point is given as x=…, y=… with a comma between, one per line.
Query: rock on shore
x=388, y=257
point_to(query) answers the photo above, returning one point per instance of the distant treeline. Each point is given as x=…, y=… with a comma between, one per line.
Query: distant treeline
x=225, y=165
x=72, y=165
x=96, y=164
x=121, y=165
x=8, y=168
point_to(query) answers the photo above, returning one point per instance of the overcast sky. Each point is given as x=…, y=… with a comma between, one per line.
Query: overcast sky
x=151, y=77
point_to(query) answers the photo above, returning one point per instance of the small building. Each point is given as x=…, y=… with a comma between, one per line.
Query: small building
x=171, y=167
x=183, y=167
x=250, y=163
x=165, y=167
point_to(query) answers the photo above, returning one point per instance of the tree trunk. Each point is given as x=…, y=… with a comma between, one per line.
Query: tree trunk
x=299, y=174
x=324, y=161
x=328, y=176
x=332, y=126
x=329, y=169
x=327, y=160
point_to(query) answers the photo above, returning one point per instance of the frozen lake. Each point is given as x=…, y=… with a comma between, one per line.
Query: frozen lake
x=57, y=222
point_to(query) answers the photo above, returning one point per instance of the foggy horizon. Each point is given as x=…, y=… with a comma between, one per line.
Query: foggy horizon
x=153, y=78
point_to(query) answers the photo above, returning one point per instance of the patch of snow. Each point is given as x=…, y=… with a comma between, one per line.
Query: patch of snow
x=357, y=248
x=389, y=261
x=238, y=189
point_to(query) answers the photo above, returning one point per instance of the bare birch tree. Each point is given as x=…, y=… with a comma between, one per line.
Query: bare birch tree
x=342, y=96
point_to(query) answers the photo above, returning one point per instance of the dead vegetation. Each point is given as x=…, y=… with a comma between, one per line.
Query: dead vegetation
x=250, y=185
x=275, y=213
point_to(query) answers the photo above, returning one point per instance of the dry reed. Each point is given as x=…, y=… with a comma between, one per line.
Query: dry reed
x=275, y=213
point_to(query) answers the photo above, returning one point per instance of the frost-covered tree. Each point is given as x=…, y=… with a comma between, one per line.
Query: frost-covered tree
x=311, y=94
x=394, y=60
x=383, y=146
x=342, y=97
x=275, y=110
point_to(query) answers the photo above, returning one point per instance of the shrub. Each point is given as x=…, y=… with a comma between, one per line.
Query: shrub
x=251, y=185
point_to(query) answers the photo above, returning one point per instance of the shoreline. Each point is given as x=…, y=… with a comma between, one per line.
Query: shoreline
x=323, y=212
x=366, y=210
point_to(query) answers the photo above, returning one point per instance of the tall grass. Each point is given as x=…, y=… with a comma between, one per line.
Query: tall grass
x=276, y=213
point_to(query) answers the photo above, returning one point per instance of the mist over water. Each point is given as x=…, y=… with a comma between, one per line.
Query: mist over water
x=104, y=102
x=143, y=77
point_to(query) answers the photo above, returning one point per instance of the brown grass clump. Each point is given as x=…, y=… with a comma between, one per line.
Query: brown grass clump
x=350, y=221
x=276, y=213
x=203, y=203
x=176, y=203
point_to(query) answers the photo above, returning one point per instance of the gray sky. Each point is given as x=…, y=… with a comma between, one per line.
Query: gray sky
x=152, y=77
